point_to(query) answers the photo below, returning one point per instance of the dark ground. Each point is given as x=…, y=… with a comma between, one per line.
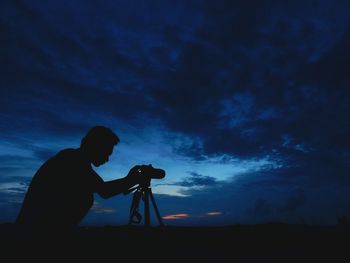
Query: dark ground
x=238, y=243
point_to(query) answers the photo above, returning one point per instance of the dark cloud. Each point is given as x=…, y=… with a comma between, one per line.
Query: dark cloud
x=248, y=80
x=23, y=180
x=239, y=22
x=231, y=84
x=193, y=148
x=196, y=179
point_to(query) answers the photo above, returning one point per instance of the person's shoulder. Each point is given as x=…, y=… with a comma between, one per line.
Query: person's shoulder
x=68, y=158
x=60, y=159
x=68, y=154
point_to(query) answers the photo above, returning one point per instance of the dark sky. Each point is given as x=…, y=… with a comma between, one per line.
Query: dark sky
x=244, y=103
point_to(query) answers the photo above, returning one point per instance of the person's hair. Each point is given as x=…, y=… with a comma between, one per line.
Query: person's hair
x=99, y=135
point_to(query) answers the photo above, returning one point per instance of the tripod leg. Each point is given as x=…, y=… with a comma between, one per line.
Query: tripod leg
x=155, y=208
x=134, y=205
x=147, y=215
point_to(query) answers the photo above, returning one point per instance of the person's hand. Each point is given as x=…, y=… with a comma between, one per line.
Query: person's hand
x=138, y=175
x=134, y=175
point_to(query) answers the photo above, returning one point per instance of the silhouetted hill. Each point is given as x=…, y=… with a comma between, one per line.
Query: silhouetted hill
x=272, y=242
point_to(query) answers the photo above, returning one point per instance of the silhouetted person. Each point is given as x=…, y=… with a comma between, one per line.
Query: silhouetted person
x=61, y=192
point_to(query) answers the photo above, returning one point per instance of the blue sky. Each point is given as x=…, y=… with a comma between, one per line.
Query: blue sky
x=243, y=104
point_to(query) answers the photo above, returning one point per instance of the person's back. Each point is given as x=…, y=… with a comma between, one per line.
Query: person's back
x=61, y=192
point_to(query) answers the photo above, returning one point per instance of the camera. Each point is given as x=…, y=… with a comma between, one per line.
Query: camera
x=145, y=174
x=149, y=172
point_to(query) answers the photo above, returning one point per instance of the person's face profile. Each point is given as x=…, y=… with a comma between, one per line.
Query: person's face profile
x=102, y=154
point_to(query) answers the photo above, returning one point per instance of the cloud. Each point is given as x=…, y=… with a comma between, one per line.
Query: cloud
x=176, y=216
x=13, y=187
x=213, y=213
x=222, y=78
x=12, y=191
x=225, y=82
x=98, y=209
x=105, y=211
x=196, y=179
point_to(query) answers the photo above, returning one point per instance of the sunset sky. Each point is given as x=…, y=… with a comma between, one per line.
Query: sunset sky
x=244, y=103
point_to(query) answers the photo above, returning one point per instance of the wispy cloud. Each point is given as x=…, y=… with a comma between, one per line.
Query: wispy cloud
x=214, y=213
x=13, y=187
x=176, y=216
x=196, y=179
x=98, y=209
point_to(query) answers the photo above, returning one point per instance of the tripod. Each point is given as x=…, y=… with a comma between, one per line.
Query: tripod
x=144, y=192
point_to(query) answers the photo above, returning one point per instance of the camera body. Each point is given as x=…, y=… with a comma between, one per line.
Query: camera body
x=147, y=173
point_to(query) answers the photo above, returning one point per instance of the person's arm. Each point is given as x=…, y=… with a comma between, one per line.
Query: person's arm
x=118, y=186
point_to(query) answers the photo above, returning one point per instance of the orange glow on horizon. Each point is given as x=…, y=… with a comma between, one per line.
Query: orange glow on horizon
x=214, y=213
x=176, y=216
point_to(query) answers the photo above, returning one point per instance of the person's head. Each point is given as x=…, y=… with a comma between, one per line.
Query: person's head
x=98, y=144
